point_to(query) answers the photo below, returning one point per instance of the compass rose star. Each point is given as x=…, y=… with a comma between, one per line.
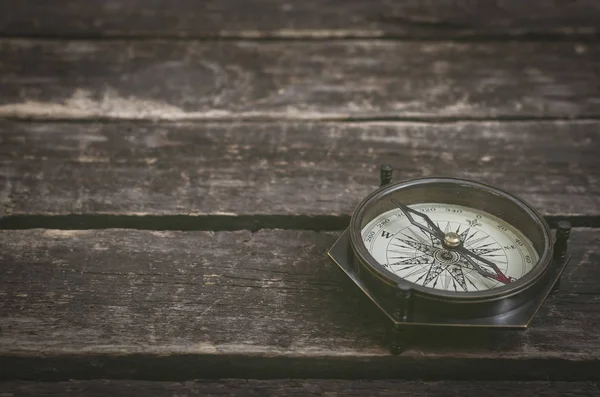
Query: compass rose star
x=424, y=248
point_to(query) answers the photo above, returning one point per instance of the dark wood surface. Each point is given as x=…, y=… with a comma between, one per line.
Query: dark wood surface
x=412, y=19
x=307, y=80
x=153, y=152
x=279, y=169
x=186, y=305
x=299, y=387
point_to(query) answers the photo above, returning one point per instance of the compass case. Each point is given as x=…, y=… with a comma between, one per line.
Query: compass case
x=406, y=303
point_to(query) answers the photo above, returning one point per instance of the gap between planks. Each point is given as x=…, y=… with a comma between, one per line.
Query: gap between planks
x=232, y=222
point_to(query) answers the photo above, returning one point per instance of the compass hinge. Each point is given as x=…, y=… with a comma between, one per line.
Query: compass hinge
x=562, y=237
x=385, y=174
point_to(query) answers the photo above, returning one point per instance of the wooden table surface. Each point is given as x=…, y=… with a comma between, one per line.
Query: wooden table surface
x=172, y=174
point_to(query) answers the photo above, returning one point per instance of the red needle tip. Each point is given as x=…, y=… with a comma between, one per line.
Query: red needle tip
x=502, y=278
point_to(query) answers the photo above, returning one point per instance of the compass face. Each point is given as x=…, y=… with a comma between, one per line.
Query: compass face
x=500, y=253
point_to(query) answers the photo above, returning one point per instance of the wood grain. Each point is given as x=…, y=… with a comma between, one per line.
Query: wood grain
x=188, y=305
x=297, y=387
x=306, y=19
x=280, y=168
x=208, y=80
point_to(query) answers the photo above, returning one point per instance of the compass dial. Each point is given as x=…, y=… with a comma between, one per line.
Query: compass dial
x=421, y=258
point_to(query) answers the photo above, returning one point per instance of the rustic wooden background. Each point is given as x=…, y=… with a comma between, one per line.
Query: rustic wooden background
x=173, y=172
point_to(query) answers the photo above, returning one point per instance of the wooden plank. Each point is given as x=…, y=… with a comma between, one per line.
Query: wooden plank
x=306, y=19
x=276, y=169
x=190, y=305
x=175, y=80
x=299, y=387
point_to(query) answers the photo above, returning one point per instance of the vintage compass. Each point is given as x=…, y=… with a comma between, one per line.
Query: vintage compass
x=451, y=252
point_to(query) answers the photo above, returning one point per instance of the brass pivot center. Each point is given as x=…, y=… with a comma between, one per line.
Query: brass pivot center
x=452, y=240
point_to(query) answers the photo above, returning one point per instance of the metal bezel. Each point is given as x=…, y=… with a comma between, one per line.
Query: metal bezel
x=535, y=220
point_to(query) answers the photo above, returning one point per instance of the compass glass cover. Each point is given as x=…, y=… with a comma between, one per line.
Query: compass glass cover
x=498, y=252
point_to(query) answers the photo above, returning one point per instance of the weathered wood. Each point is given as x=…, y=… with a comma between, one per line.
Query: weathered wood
x=297, y=387
x=304, y=19
x=280, y=169
x=189, y=305
x=177, y=80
